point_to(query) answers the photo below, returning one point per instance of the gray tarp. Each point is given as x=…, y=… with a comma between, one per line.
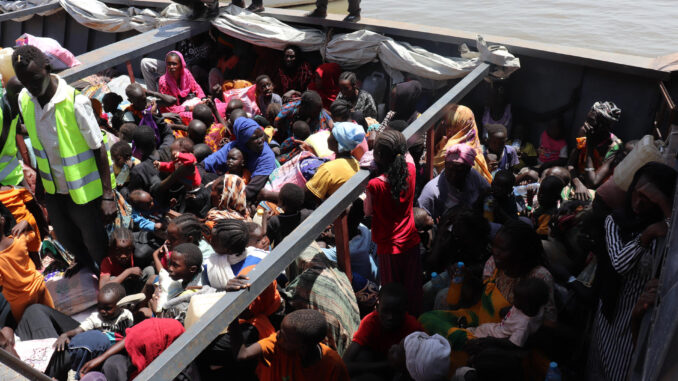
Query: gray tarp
x=13, y=6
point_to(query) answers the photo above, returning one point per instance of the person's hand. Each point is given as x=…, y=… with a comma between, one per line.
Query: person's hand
x=154, y=107
x=210, y=103
x=156, y=164
x=304, y=146
x=175, y=155
x=240, y=282
x=153, y=302
x=134, y=271
x=158, y=226
x=656, y=230
x=110, y=209
x=647, y=298
x=21, y=227
x=184, y=170
x=62, y=342
x=581, y=192
x=91, y=365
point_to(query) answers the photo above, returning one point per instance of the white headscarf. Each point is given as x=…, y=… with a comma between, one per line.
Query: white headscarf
x=427, y=357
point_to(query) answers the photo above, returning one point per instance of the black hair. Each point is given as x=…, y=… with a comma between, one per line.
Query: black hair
x=419, y=215
x=144, y=139
x=261, y=77
x=235, y=114
x=394, y=290
x=252, y=227
x=356, y=215
x=551, y=187
x=530, y=295
x=311, y=98
x=121, y=148
x=9, y=220
x=309, y=325
x=120, y=234
x=233, y=234
x=117, y=121
x=506, y=175
x=261, y=120
x=392, y=148
x=297, y=52
x=203, y=113
x=135, y=194
x=116, y=98
x=190, y=226
x=201, y=151
x=341, y=109
x=184, y=144
x=114, y=289
x=398, y=125
x=132, y=87
x=292, y=197
x=349, y=76
x=173, y=54
x=197, y=131
x=192, y=254
x=301, y=130
x=24, y=55
x=236, y=102
x=495, y=128
x=524, y=243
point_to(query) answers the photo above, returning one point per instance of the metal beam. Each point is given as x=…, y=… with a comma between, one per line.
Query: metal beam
x=21, y=367
x=189, y=345
x=28, y=11
x=133, y=47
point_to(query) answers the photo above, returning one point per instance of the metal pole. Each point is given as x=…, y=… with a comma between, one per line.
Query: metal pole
x=190, y=344
x=21, y=367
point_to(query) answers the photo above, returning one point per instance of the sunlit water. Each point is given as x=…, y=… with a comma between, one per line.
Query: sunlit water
x=638, y=27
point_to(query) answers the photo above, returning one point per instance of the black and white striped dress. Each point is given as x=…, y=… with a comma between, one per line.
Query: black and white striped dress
x=612, y=342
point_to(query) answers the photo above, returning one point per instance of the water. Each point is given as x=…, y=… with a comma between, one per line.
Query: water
x=637, y=27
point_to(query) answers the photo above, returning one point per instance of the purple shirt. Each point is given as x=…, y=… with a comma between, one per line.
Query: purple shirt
x=438, y=196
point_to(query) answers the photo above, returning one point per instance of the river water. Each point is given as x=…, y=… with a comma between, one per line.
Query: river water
x=638, y=27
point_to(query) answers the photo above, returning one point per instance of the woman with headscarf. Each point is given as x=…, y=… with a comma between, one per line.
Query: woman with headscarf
x=259, y=158
x=229, y=200
x=403, y=103
x=179, y=82
x=457, y=184
x=326, y=82
x=459, y=127
x=294, y=74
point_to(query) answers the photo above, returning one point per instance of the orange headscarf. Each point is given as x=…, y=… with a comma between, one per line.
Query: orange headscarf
x=460, y=128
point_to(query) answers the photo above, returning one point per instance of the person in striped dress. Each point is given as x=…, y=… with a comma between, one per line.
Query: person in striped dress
x=631, y=236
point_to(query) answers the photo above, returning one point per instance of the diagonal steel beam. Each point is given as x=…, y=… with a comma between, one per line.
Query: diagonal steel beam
x=189, y=345
x=21, y=367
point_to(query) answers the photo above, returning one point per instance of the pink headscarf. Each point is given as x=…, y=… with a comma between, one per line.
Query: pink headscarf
x=461, y=153
x=187, y=85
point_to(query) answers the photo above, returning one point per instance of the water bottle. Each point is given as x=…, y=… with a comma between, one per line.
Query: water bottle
x=458, y=276
x=553, y=373
x=259, y=217
x=521, y=190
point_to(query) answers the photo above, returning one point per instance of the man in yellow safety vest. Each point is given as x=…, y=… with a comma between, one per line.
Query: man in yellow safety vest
x=71, y=155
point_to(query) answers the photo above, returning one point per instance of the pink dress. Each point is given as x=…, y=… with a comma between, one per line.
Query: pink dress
x=550, y=148
x=187, y=85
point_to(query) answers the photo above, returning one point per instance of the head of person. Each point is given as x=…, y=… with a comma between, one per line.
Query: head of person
x=404, y=99
x=560, y=172
x=136, y=96
x=422, y=220
x=32, y=68
x=7, y=221
x=496, y=138
x=141, y=200
x=181, y=145
x=555, y=128
x=126, y=132
x=107, y=301
x=203, y=113
x=121, y=153
x=228, y=193
x=499, y=90
x=517, y=249
x=549, y=192
x=600, y=119
x=530, y=295
x=185, y=262
x=469, y=229
x=392, y=306
x=121, y=247
x=257, y=238
x=459, y=159
x=390, y=149
x=427, y=358
x=201, y=151
x=111, y=101
x=197, y=131
x=301, y=331
x=185, y=228
x=12, y=90
x=272, y=111
x=345, y=137
x=341, y=110
x=291, y=198
x=235, y=115
x=145, y=139
x=301, y=130
x=291, y=57
x=264, y=85
x=235, y=161
x=502, y=184
x=234, y=104
x=348, y=85
x=654, y=174
x=311, y=105
x=175, y=64
x=230, y=237
x=249, y=134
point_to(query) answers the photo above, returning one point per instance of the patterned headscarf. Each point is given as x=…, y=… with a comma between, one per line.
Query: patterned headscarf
x=608, y=110
x=461, y=153
x=233, y=201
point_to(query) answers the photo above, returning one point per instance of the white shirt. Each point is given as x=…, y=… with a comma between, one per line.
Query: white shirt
x=45, y=123
x=119, y=324
x=516, y=327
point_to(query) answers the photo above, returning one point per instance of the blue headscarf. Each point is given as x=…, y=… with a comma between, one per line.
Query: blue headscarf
x=257, y=164
x=348, y=135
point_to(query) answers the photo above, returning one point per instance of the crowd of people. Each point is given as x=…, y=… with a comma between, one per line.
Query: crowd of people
x=510, y=259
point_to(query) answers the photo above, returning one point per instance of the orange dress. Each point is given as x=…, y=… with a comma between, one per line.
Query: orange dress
x=277, y=364
x=15, y=199
x=22, y=285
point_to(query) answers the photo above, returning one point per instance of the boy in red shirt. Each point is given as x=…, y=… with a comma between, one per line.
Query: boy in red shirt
x=366, y=357
x=182, y=152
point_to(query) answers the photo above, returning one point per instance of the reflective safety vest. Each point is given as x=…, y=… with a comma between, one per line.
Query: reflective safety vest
x=11, y=171
x=77, y=159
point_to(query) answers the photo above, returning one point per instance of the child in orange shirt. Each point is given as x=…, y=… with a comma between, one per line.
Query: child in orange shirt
x=296, y=352
x=22, y=285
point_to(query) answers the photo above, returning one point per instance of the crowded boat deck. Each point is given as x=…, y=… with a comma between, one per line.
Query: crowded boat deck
x=261, y=196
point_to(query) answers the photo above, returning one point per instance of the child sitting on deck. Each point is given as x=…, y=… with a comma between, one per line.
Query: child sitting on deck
x=497, y=154
x=118, y=266
x=182, y=152
x=548, y=196
x=142, y=206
